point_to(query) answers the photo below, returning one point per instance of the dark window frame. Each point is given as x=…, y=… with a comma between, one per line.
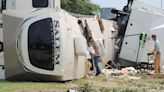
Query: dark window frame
x=40, y=3
x=1, y=46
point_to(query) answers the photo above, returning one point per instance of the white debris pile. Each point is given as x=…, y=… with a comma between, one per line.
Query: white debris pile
x=129, y=71
x=124, y=72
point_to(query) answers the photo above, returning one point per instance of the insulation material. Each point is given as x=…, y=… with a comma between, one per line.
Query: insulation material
x=100, y=24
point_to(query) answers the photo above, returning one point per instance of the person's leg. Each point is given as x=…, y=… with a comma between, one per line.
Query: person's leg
x=158, y=63
x=96, y=60
x=155, y=63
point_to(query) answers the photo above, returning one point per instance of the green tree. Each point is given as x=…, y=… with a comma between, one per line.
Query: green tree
x=80, y=7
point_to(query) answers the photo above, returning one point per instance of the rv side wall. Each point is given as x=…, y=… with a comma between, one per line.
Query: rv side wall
x=31, y=4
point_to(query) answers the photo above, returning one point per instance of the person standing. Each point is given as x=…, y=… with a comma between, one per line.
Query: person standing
x=96, y=56
x=156, y=53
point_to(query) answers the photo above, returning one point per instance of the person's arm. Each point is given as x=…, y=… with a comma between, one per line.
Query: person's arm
x=154, y=50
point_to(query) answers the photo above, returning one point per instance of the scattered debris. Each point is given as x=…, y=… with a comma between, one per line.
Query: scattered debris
x=134, y=78
x=124, y=72
x=91, y=73
x=72, y=90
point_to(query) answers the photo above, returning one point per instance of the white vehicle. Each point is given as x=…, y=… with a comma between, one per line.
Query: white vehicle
x=40, y=45
x=20, y=4
x=136, y=18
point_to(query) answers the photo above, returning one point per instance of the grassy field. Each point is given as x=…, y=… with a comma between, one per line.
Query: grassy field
x=147, y=83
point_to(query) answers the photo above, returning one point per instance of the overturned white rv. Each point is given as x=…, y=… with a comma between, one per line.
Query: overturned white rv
x=48, y=44
x=40, y=45
x=33, y=51
x=15, y=5
x=138, y=17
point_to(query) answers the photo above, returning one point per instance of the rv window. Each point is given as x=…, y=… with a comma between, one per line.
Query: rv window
x=2, y=5
x=40, y=3
x=41, y=44
x=1, y=46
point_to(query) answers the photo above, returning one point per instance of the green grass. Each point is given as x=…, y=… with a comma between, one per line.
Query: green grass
x=147, y=83
x=6, y=86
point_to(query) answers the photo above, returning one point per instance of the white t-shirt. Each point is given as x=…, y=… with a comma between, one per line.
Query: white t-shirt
x=157, y=43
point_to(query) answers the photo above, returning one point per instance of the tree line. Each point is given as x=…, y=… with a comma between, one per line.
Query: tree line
x=85, y=7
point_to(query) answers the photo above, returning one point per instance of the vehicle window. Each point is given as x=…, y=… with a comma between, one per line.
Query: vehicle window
x=40, y=3
x=41, y=44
